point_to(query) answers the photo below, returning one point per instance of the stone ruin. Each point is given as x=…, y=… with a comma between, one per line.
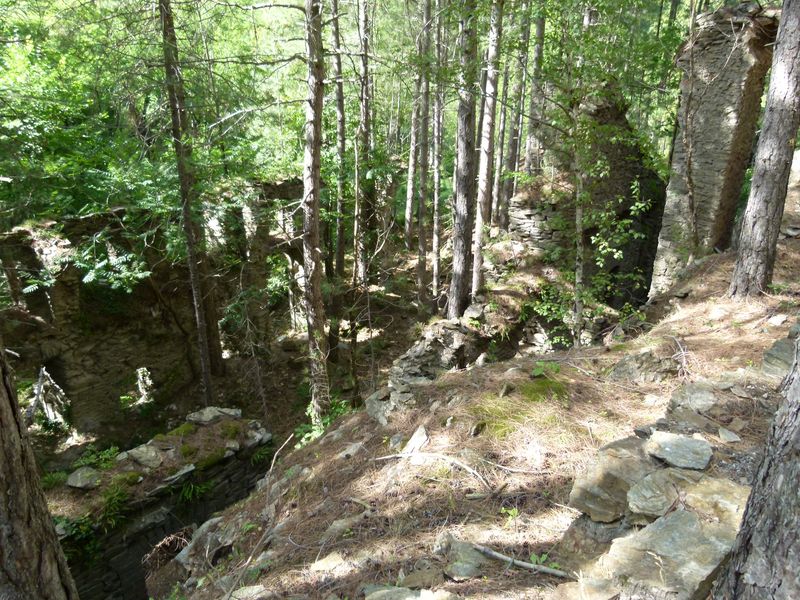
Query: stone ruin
x=544, y=217
x=93, y=339
x=176, y=480
x=724, y=67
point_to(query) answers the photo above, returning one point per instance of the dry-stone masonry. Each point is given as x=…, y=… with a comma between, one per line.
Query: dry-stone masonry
x=723, y=80
x=173, y=481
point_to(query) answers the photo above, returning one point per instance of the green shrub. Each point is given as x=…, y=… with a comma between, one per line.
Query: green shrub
x=99, y=459
x=54, y=479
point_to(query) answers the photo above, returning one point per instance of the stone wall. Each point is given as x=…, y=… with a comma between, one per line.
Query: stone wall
x=91, y=337
x=114, y=569
x=723, y=81
x=542, y=215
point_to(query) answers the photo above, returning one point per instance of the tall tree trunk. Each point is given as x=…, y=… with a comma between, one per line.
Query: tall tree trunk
x=183, y=157
x=438, y=113
x=484, y=199
x=764, y=562
x=340, y=138
x=312, y=292
x=413, y=155
x=424, y=127
x=365, y=187
x=762, y=219
x=465, y=158
x=512, y=151
x=338, y=269
x=533, y=158
x=32, y=564
x=497, y=186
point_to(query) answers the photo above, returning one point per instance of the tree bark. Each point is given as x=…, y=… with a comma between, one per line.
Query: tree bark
x=365, y=188
x=512, y=151
x=484, y=198
x=413, y=154
x=183, y=157
x=312, y=292
x=764, y=562
x=424, y=126
x=497, y=186
x=32, y=564
x=465, y=158
x=340, y=138
x=533, y=156
x=761, y=223
x=438, y=111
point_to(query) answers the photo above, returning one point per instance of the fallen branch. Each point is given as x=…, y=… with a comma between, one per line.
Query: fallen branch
x=449, y=459
x=521, y=563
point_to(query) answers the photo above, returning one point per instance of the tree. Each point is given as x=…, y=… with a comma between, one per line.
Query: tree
x=183, y=157
x=465, y=159
x=438, y=124
x=32, y=564
x=533, y=156
x=484, y=208
x=517, y=96
x=424, y=127
x=763, y=565
x=413, y=156
x=312, y=263
x=762, y=218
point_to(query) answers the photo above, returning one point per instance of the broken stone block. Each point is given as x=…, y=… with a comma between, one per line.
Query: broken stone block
x=699, y=397
x=680, y=450
x=679, y=552
x=147, y=456
x=602, y=492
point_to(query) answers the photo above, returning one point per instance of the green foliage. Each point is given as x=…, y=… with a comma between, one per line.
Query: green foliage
x=99, y=459
x=54, y=479
x=231, y=429
x=127, y=478
x=307, y=433
x=188, y=451
x=262, y=455
x=543, y=559
x=183, y=430
x=192, y=492
x=114, y=508
x=553, y=304
x=545, y=369
x=208, y=461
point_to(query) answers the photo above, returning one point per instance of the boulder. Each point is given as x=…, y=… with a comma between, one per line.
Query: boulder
x=586, y=588
x=147, y=456
x=680, y=450
x=679, y=552
x=602, y=492
x=253, y=592
x=463, y=560
x=85, y=478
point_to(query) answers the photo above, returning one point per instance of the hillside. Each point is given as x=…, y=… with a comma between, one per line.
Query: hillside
x=489, y=456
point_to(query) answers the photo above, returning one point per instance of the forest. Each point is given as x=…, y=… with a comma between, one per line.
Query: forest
x=399, y=299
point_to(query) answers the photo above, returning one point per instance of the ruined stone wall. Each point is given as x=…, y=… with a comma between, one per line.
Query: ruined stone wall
x=543, y=215
x=111, y=564
x=90, y=337
x=723, y=81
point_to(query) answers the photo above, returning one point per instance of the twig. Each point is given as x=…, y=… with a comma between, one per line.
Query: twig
x=521, y=563
x=449, y=459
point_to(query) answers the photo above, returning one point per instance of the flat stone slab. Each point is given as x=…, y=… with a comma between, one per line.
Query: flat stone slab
x=699, y=397
x=654, y=495
x=602, y=492
x=389, y=592
x=680, y=450
x=85, y=478
x=585, y=589
x=213, y=413
x=679, y=552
